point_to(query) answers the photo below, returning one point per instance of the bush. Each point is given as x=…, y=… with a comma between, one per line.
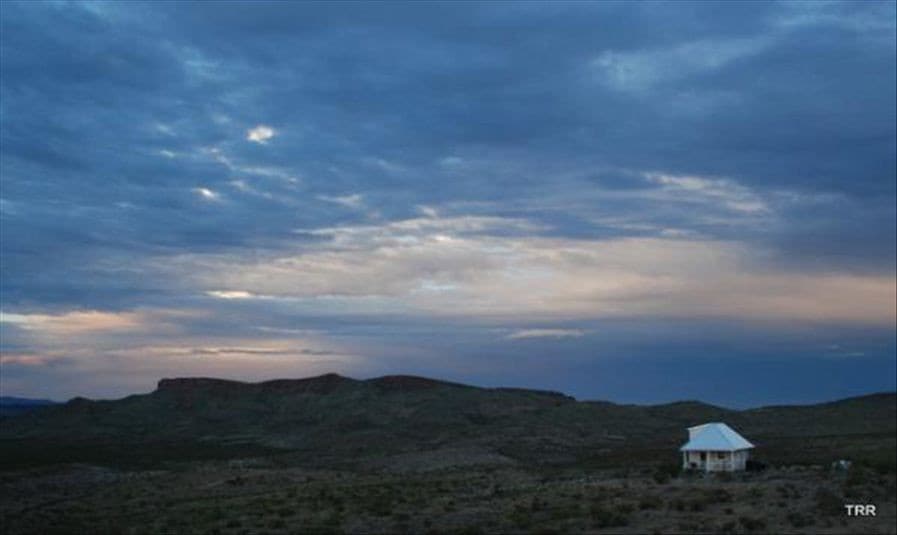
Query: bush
x=728, y=527
x=535, y=505
x=788, y=490
x=828, y=503
x=650, y=502
x=521, y=518
x=606, y=518
x=717, y=496
x=380, y=506
x=626, y=508
x=800, y=520
x=334, y=518
x=754, y=466
x=752, y=524
x=857, y=476
x=755, y=492
x=664, y=472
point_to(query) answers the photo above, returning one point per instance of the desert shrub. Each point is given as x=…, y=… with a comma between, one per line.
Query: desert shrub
x=334, y=518
x=800, y=520
x=380, y=506
x=788, y=490
x=285, y=512
x=857, y=476
x=752, y=524
x=521, y=518
x=755, y=492
x=828, y=503
x=717, y=496
x=664, y=472
x=535, y=505
x=755, y=466
x=884, y=466
x=603, y=517
x=622, y=473
x=337, y=503
x=569, y=510
x=728, y=527
x=650, y=502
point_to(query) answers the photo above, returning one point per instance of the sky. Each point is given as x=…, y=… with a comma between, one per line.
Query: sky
x=634, y=201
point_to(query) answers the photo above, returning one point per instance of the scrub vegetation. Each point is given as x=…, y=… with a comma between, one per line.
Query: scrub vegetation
x=413, y=455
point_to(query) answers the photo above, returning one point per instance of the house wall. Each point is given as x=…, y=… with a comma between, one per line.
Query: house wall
x=714, y=461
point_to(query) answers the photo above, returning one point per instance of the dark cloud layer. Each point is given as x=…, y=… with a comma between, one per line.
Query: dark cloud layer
x=129, y=180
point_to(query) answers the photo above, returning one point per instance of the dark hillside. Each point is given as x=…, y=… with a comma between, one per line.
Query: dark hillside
x=13, y=406
x=331, y=419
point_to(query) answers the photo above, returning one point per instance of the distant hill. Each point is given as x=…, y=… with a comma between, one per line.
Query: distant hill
x=13, y=406
x=332, y=419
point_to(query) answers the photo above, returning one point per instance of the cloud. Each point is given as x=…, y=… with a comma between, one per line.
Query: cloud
x=260, y=134
x=230, y=294
x=231, y=351
x=33, y=360
x=207, y=194
x=546, y=333
x=243, y=187
x=729, y=193
x=642, y=70
x=514, y=167
x=77, y=322
x=355, y=200
x=477, y=267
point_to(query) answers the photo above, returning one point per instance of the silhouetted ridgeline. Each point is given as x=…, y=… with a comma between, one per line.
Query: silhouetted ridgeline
x=334, y=419
x=13, y=406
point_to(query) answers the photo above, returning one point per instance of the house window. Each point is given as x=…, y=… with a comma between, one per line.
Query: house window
x=720, y=455
x=703, y=456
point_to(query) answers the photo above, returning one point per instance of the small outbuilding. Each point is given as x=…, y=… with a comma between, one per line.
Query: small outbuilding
x=715, y=447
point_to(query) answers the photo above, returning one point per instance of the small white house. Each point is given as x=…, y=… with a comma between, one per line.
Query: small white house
x=715, y=447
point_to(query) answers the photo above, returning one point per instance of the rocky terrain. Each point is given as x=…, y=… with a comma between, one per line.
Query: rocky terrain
x=410, y=454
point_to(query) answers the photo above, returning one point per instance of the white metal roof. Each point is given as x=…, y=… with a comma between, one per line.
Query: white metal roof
x=715, y=436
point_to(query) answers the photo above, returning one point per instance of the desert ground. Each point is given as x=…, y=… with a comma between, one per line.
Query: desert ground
x=414, y=455
x=258, y=496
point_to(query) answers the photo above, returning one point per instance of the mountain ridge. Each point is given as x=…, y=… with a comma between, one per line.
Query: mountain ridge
x=332, y=418
x=400, y=381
